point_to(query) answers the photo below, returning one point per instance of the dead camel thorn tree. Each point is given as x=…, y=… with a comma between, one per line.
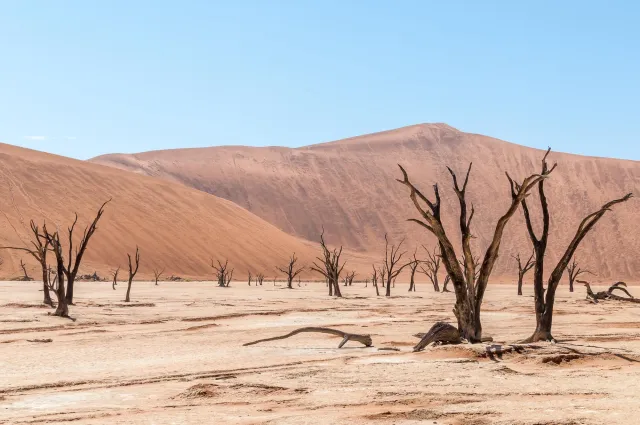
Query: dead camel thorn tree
x=432, y=264
x=575, y=272
x=469, y=290
x=374, y=280
x=115, y=278
x=223, y=274
x=329, y=266
x=249, y=273
x=608, y=294
x=39, y=252
x=447, y=280
x=259, y=279
x=25, y=277
x=523, y=268
x=391, y=259
x=544, y=301
x=157, y=273
x=291, y=270
x=348, y=279
x=132, y=273
x=413, y=267
x=62, y=309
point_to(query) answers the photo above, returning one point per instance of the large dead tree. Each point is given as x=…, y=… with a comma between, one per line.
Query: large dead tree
x=413, y=267
x=391, y=268
x=73, y=263
x=523, y=268
x=608, y=294
x=157, y=273
x=132, y=273
x=431, y=267
x=39, y=249
x=115, y=278
x=291, y=271
x=329, y=266
x=223, y=273
x=62, y=308
x=544, y=301
x=469, y=289
x=574, y=272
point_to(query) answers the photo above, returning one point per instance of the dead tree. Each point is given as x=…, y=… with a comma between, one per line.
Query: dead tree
x=413, y=267
x=447, y=279
x=259, y=279
x=115, y=278
x=157, y=273
x=73, y=264
x=432, y=264
x=348, y=279
x=362, y=339
x=374, y=280
x=391, y=259
x=222, y=272
x=608, y=294
x=229, y=277
x=249, y=272
x=575, y=272
x=132, y=273
x=329, y=266
x=62, y=309
x=523, y=269
x=39, y=252
x=469, y=289
x=291, y=270
x=544, y=301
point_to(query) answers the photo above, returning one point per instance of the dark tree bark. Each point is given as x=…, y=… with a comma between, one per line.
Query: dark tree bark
x=291, y=270
x=223, y=273
x=132, y=273
x=447, y=280
x=259, y=279
x=544, y=302
x=73, y=265
x=249, y=272
x=62, y=309
x=374, y=280
x=348, y=279
x=523, y=268
x=608, y=294
x=413, y=267
x=391, y=269
x=575, y=272
x=363, y=339
x=39, y=252
x=329, y=266
x=469, y=289
x=115, y=278
x=432, y=266
x=157, y=273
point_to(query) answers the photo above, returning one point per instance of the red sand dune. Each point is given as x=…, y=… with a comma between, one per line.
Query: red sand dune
x=176, y=227
x=349, y=187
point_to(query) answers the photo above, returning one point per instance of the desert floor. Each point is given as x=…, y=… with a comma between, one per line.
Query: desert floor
x=175, y=355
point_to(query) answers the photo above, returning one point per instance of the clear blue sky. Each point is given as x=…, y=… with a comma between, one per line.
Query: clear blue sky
x=82, y=78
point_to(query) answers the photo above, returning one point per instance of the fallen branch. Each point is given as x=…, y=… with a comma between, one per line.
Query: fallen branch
x=608, y=294
x=442, y=333
x=363, y=339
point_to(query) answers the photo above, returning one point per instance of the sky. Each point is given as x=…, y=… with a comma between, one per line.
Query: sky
x=84, y=78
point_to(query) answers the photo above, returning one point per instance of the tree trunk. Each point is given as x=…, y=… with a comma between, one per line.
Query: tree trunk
x=63, y=309
x=469, y=323
x=127, y=298
x=520, y=279
x=570, y=285
x=45, y=285
x=290, y=282
x=69, y=296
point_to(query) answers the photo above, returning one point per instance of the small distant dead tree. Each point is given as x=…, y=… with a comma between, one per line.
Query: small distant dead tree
x=413, y=267
x=132, y=273
x=575, y=272
x=374, y=280
x=523, y=268
x=62, y=309
x=431, y=267
x=329, y=266
x=469, y=289
x=348, y=279
x=39, y=252
x=447, y=279
x=115, y=278
x=391, y=259
x=222, y=273
x=608, y=294
x=229, y=277
x=249, y=273
x=26, y=277
x=157, y=273
x=291, y=271
x=544, y=298
x=259, y=279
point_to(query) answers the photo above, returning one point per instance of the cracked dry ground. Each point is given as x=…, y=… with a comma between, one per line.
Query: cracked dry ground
x=175, y=355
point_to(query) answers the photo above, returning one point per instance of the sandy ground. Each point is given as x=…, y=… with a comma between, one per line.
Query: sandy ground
x=175, y=356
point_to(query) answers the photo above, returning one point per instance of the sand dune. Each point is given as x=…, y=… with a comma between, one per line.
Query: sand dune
x=348, y=186
x=175, y=226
